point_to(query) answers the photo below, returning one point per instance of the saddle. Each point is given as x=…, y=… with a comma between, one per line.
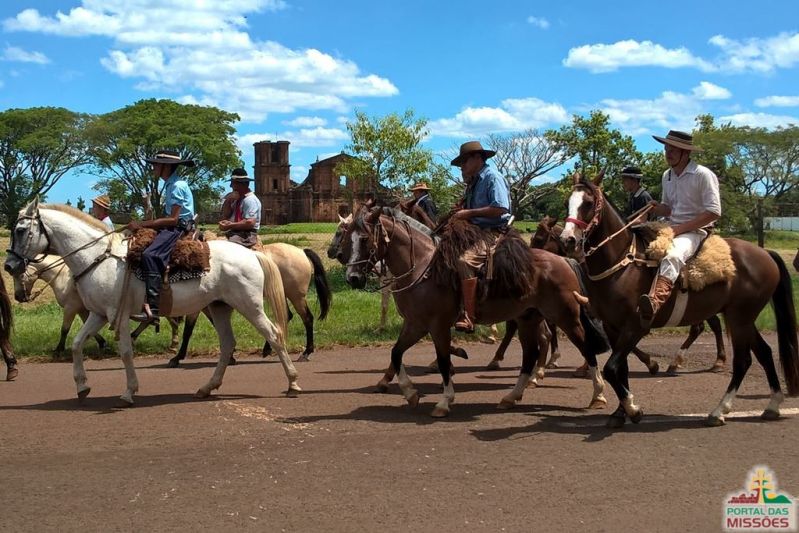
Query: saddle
x=711, y=263
x=188, y=256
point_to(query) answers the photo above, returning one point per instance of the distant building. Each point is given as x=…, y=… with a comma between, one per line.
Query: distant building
x=321, y=197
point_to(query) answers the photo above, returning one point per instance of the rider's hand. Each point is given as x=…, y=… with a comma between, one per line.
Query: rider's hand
x=133, y=225
x=224, y=224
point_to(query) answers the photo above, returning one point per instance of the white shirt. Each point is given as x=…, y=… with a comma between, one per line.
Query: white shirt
x=107, y=222
x=692, y=193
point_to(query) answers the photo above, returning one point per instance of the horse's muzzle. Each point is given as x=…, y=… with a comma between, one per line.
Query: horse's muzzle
x=14, y=265
x=356, y=281
x=570, y=245
x=21, y=296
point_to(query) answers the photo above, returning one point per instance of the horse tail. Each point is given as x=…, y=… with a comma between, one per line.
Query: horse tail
x=785, y=314
x=6, y=318
x=274, y=294
x=323, y=291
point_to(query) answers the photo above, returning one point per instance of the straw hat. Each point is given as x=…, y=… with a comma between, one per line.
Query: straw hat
x=103, y=201
x=240, y=175
x=421, y=186
x=679, y=139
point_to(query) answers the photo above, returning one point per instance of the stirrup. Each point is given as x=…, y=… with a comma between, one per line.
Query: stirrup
x=464, y=326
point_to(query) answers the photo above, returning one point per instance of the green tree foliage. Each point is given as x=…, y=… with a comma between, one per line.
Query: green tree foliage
x=125, y=137
x=81, y=204
x=387, y=150
x=38, y=146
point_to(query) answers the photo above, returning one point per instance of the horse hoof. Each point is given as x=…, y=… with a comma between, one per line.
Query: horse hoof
x=506, y=404
x=551, y=366
x=493, y=365
x=460, y=352
x=654, y=368
x=714, y=421
x=717, y=367
x=381, y=387
x=304, y=358
x=671, y=371
x=413, y=401
x=769, y=414
x=173, y=363
x=636, y=418
x=201, y=394
x=82, y=394
x=532, y=384
x=614, y=422
x=598, y=403
x=12, y=374
x=125, y=402
x=432, y=367
x=439, y=412
x=232, y=361
x=293, y=392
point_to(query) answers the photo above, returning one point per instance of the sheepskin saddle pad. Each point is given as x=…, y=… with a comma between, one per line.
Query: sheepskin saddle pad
x=189, y=260
x=712, y=264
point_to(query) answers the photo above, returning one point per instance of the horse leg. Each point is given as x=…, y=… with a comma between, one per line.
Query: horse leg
x=528, y=332
x=307, y=320
x=577, y=336
x=174, y=324
x=765, y=357
x=125, y=348
x=409, y=335
x=616, y=372
x=90, y=327
x=388, y=376
x=227, y=343
x=188, y=329
x=721, y=355
x=441, y=339
x=98, y=338
x=499, y=355
x=645, y=358
x=269, y=331
x=679, y=357
x=743, y=339
x=543, y=338
x=553, y=360
x=11, y=362
x=66, y=323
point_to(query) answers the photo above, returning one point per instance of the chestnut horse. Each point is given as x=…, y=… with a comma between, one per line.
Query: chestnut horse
x=616, y=278
x=428, y=306
x=6, y=320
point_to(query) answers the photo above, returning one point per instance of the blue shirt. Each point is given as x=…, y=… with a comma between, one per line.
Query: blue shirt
x=177, y=192
x=488, y=190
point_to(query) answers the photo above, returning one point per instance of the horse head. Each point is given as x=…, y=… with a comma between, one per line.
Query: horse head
x=28, y=240
x=360, y=245
x=335, y=244
x=584, y=209
x=544, y=233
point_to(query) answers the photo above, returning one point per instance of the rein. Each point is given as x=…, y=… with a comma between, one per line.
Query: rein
x=47, y=284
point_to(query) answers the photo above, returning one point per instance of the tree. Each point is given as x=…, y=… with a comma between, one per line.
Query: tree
x=38, y=146
x=81, y=205
x=126, y=137
x=523, y=157
x=387, y=150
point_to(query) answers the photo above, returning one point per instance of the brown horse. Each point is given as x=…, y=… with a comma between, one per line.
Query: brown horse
x=430, y=306
x=6, y=321
x=616, y=277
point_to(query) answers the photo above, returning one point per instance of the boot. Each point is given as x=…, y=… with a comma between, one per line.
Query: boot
x=649, y=304
x=465, y=322
x=152, y=291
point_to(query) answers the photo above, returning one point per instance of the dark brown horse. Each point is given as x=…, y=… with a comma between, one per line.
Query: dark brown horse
x=615, y=283
x=6, y=320
x=429, y=306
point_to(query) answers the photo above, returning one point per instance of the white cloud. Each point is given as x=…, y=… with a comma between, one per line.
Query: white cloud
x=539, y=22
x=631, y=53
x=778, y=101
x=514, y=114
x=710, y=91
x=759, y=120
x=305, y=122
x=14, y=53
x=202, y=52
x=758, y=54
x=302, y=138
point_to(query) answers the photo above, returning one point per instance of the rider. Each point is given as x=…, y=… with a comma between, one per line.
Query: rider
x=692, y=203
x=631, y=183
x=178, y=218
x=486, y=204
x=421, y=193
x=242, y=223
x=101, y=209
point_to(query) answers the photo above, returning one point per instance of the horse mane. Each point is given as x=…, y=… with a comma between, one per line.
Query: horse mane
x=77, y=213
x=399, y=215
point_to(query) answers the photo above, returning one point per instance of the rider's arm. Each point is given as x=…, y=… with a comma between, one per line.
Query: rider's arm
x=488, y=212
x=695, y=223
x=242, y=225
x=166, y=222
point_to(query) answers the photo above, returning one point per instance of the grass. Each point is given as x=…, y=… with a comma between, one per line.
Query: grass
x=300, y=227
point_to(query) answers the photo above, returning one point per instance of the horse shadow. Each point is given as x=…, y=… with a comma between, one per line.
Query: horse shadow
x=103, y=405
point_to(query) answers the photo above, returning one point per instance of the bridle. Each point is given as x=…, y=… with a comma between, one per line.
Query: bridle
x=23, y=257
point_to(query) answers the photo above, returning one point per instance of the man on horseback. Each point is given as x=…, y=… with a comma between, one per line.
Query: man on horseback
x=178, y=219
x=631, y=183
x=242, y=223
x=692, y=203
x=421, y=193
x=486, y=204
x=101, y=209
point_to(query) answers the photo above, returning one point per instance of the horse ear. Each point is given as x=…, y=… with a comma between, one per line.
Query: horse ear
x=576, y=177
x=598, y=178
x=374, y=215
x=342, y=220
x=33, y=206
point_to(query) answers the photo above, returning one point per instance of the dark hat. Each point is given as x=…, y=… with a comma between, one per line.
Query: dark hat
x=169, y=157
x=632, y=172
x=421, y=186
x=469, y=148
x=103, y=201
x=240, y=175
x=679, y=139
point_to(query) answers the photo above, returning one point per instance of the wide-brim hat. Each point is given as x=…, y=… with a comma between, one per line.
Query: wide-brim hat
x=632, y=172
x=420, y=187
x=469, y=148
x=169, y=157
x=240, y=175
x=679, y=139
x=103, y=201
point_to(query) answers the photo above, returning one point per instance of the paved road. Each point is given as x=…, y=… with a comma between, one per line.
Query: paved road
x=341, y=458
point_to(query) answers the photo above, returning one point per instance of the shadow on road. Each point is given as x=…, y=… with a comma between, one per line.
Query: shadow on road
x=111, y=404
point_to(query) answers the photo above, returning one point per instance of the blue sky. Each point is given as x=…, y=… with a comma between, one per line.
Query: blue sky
x=297, y=69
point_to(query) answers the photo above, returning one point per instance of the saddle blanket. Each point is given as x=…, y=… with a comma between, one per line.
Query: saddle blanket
x=188, y=255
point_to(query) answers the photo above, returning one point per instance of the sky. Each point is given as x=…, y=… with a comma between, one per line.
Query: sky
x=297, y=70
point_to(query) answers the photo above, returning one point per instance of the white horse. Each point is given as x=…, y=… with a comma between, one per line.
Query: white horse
x=238, y=280
x=57, y=276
